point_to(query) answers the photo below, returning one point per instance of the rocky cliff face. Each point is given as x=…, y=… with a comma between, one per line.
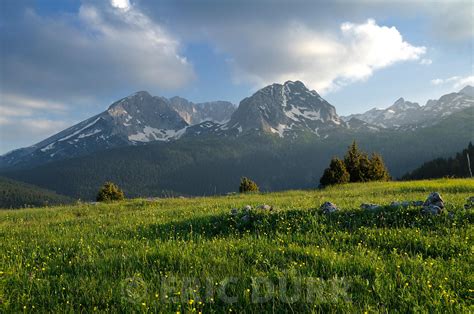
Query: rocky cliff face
x=285, y=110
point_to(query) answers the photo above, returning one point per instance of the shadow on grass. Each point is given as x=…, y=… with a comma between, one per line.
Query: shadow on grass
x=301, y=221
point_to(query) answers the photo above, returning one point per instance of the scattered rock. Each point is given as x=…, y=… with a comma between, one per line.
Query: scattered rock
x=431, y=210
x=417, y=203
x=404, y=204
x=328, y=208
x=370, y=206
x=265, y=207
x=434, y=199
x=245, y=218
x=433, y=205
x=247, y=208
x=234, y=211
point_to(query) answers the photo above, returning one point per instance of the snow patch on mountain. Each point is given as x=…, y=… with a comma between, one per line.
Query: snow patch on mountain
x=79, y=131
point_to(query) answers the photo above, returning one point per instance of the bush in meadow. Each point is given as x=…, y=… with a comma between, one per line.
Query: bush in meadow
x=110, y=192
x=247, y=185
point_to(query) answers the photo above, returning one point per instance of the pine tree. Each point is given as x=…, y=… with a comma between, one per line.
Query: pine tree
x=247, y=185
x=364, y=166
x=110, y=192
x=335, y=174
x=377, y=170
x=352, y=161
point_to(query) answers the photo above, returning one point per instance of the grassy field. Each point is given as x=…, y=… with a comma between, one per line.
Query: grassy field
x=191, y=255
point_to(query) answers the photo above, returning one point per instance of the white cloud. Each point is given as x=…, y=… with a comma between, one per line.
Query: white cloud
x=14, y=107
x=15, y=133
x=324, y=62
x=456, y=82
x=25, y=120
x=426, y=61
x=120, y=4
x=437, y=81
x=133, y=42
x=14, y=101
x=96, y=52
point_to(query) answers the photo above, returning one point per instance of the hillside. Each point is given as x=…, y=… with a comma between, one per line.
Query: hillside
x=457, y=166
x=14, y=194
x=176, y=255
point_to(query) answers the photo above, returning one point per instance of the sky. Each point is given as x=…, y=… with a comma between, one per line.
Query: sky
x=63, y=61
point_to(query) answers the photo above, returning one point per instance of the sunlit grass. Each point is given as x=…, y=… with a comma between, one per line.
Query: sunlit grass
x=117, y=257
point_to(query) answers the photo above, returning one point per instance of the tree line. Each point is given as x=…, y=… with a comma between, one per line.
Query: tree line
x=355, y=167
x=459, y=166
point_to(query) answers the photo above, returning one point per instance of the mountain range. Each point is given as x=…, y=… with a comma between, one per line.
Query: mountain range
x=133, y=120
x=410, y=115
x=283, y=135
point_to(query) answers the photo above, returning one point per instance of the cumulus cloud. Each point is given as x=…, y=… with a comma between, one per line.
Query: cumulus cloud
x=100, y=49
x=456, y=82
x=120, y=4
x=60, y=63
x=323, y=61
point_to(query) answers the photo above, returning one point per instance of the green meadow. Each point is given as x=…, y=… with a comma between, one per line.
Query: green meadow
x=191, y=255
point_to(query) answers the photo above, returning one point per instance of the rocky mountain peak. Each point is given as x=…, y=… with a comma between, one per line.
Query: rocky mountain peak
x=402, y=105
x=467, y=90
x=406, y=114
x=285, y=109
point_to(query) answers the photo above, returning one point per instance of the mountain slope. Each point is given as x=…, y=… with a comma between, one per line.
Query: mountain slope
x=215, y=111
x=135, y=119
x=400, y=113
x=15, y=194
x=457, y=166
x=468, y=90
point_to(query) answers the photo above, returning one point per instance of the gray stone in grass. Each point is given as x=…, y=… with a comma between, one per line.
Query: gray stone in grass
x=247, y=208
x=328, y=208
x=265, y=207
x=431, y=210
x=370, y=206
x=234, y=211
x=434, y=199
x=245, y=218
x=417, y=203
x=404, y=204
